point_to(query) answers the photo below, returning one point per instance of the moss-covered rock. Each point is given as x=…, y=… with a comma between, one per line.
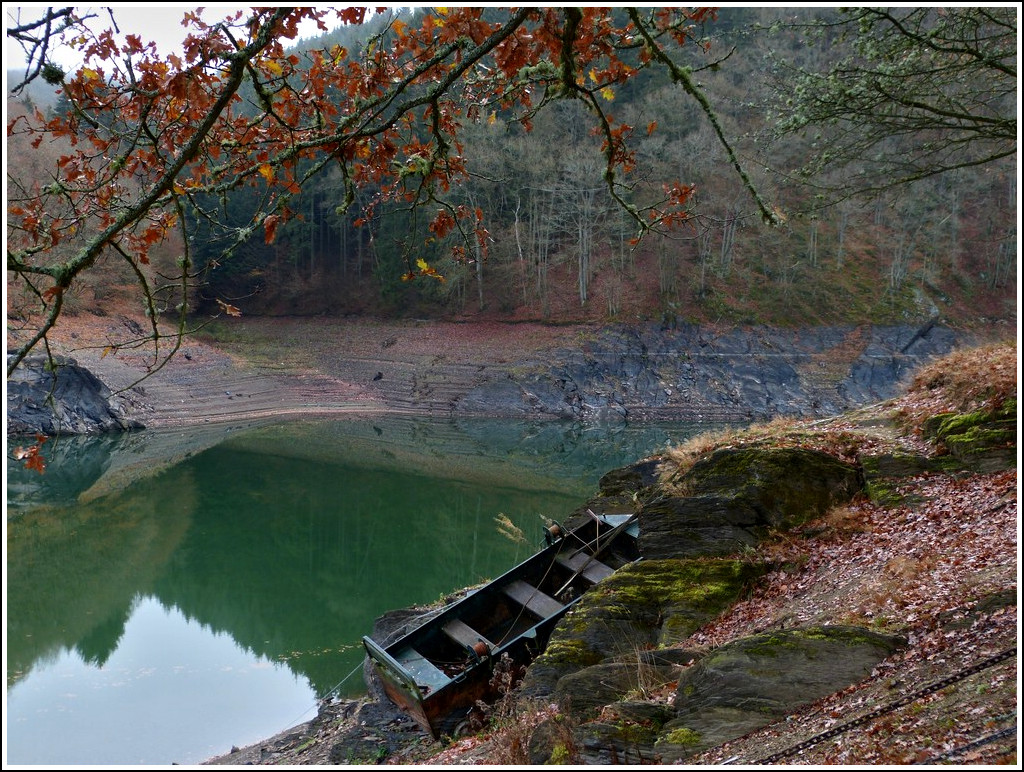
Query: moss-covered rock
x=552, y=742
x=646, y=605
x=582, y=694
x=641, y=712
x=751, y=682
x=734, y=496
x=883, y=470
x=982, y=441
x=616, y=743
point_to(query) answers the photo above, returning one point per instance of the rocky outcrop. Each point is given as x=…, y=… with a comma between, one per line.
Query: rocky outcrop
x=693, y=371
x=62, y=398
x=736, y=689
x=733, y=690
x=645, y=606
x=622, y=638
x=733, y=497
x=754, y=681
x=982, y=441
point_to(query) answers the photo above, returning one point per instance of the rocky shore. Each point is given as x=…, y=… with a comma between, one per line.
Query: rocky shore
x=756, y=565
x=618, y=373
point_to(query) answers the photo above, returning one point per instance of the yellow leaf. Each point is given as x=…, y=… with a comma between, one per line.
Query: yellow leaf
x=421, y=264
x=90, y=74
x=267, y=171
x=593, y=75
x=608, y=94
x=491, y=119
x=274, y=67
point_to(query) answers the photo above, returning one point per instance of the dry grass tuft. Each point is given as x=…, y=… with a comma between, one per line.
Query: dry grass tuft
x=981, y=378
x=509, y=530
x=512, y=722
x=828, y=436
x=680, y=458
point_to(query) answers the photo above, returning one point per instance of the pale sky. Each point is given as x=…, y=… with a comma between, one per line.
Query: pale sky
x=156, y=22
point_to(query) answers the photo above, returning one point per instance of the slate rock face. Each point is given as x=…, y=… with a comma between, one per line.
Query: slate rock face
x=634, y=478
x=754, y=681
x=734, y=496
x=708, y=373
x=61, y=400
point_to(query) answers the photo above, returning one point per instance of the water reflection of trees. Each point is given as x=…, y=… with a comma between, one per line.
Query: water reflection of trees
x=297, y=562
x=292, y=541
x=73, y=572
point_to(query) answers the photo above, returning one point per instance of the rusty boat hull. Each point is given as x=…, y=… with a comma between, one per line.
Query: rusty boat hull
x=439, y=671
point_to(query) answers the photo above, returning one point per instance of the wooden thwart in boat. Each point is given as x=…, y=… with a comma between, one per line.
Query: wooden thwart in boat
x=593, y=570
x=459, y=631
x=531, y=598
x=438, y=671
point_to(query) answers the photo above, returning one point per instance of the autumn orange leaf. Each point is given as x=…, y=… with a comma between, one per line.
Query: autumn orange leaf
x=270, y=228
x=228, y=309
x=32, y=455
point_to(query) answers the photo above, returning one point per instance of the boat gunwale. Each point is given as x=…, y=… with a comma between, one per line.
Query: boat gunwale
x=391, y=669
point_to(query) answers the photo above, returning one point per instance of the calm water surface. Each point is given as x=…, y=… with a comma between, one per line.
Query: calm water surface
x=173, y=594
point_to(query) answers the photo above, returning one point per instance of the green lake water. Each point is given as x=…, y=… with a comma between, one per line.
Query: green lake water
x=171, y=594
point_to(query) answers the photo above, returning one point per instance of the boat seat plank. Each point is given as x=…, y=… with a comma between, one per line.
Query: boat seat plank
x=593, y=572
x=539, y=603
x=423, y=671
x=463, y=634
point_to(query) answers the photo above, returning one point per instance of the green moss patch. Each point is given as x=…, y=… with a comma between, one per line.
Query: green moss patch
x=682, y=736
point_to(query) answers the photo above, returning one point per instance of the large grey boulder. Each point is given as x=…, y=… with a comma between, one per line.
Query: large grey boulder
x=754, y=681
x=733, y=497
x=60, y=397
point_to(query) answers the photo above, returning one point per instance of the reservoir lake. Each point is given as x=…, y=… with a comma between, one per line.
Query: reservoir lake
x=171, y=593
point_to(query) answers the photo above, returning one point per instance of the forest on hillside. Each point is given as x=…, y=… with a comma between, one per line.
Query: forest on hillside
x=907, y=224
